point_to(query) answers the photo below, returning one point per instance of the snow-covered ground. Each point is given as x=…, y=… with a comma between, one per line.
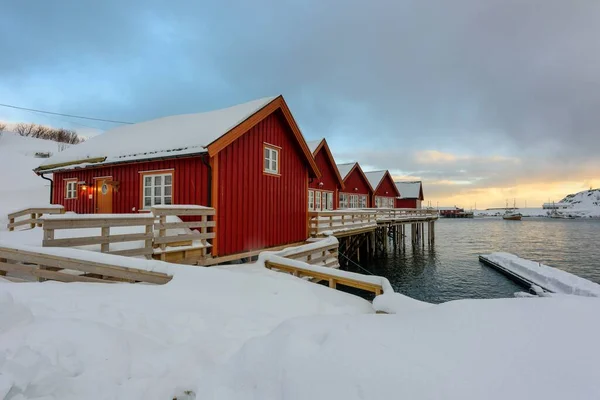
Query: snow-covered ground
x=19, y=185
x=245, y=332
x=553, y=279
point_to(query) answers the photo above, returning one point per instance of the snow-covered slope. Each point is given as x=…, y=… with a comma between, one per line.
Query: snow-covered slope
x=584, y=203
x=19, y=185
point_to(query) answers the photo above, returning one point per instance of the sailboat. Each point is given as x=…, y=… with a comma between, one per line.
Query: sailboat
x=512, y=215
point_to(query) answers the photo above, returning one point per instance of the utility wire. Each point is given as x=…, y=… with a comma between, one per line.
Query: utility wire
x=65, y=115
x=347, y=258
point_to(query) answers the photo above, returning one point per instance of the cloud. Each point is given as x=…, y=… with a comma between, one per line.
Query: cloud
x=497, y=93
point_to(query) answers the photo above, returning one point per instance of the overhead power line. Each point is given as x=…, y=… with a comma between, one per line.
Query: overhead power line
x=65, y=115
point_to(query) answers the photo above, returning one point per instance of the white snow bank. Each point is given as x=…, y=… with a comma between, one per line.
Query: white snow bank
x=396, y=303
x=74, y=216
x=553, y=279
x=123, y=341
x=462, y=350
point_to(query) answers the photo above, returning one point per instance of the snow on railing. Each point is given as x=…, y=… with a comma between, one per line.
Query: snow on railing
x=34, y=214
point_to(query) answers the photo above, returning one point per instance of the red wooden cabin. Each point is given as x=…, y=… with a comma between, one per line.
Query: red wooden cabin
x=385, y=191
x=411, y=194
x=358, y=191
x=250, y=162
x=323, y=193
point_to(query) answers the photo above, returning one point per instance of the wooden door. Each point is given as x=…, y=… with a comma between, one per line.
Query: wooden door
x=104, y=194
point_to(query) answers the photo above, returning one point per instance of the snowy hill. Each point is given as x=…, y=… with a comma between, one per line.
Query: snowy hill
x=587, y=199
x=19, y=185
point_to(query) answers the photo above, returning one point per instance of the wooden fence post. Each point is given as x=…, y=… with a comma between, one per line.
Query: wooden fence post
x=105, y=233
x=32, y=216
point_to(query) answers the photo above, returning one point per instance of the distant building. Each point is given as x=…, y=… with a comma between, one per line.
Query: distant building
x=446, y=211
x=555, y=206
x=411, y=194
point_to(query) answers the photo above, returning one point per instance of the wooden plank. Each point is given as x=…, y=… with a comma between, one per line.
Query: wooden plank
x=142, y=251
x=76, y=223
x=89, y=240
x=233, y=257
x=181, y=238
x=190, y=224
x=317, y=260
x=84, y=266
x=105, y=233
x=47, y=274
x=307, y=252
x=320, y=275
x=183, y=211
x=40, y=210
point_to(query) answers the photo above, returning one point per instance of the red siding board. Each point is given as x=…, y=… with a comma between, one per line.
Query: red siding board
x=328, y=176
x=261, y=210
x=387, y=188
x=406, y=203
x=187, y=188
x=355, y=180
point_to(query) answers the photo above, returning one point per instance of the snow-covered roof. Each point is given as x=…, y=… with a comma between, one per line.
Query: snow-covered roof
x=409, y=190
x=374, y=177
x=345, y=169
x=162, y=137
x=313, y=144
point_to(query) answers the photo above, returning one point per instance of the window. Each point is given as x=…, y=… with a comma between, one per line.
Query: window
x=311, y=200
x=71, y=190
x=271, y=160
x=353, y=201
x=318, y=201
x=329, y=203
x=362, y=201
x=343, y=200
x=158, y=189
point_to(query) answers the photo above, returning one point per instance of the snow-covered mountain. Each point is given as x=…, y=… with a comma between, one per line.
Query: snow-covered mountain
x=583, y=204
x=587, y=199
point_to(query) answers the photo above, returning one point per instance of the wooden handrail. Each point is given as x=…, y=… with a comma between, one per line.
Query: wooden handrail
x=339, y=277
x=45, y=266
x=34, y=213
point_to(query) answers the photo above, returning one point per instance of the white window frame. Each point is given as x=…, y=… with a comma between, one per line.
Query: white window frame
x=343, y=203
x=318, y=200
x=329, y=201
x=384, y=202
x=163, y=186
x=353, y=201
x=362, y=201
x=71, y=189
x=271, y=159
x=311, y=200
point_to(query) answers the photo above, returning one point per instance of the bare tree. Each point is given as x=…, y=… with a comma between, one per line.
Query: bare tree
x=24, y=129
x=2, y=126
x=60, y=135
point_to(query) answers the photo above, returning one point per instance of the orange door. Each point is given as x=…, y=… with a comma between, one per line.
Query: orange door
x=104, y=194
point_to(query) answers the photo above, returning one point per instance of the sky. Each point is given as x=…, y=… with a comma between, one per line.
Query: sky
x=482, y=100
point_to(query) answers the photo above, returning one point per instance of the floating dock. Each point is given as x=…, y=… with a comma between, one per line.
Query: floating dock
x=540, y=278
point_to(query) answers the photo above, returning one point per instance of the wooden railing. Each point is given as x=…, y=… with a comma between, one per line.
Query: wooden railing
x=405, y=213
x=331, y=221
x=326, y=255
x=105, y=236
x=34, y=214
x=44, y=265
x=374, y=284
x=204, y=223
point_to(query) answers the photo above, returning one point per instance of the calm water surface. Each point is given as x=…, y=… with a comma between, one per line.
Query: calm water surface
x=451, y=270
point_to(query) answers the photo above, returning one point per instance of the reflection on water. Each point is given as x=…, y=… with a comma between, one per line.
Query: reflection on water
x=451, y=270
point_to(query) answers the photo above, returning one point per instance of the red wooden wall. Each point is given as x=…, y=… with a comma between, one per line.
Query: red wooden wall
x=189, y=184
x=328, y=177
x=356, y=180
x=388, y=186
x=255, y=210
x=406, y=203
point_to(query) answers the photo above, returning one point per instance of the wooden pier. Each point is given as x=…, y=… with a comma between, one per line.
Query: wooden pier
x=369, y=232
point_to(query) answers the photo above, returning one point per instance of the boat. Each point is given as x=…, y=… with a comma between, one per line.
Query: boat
x=512, y=215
